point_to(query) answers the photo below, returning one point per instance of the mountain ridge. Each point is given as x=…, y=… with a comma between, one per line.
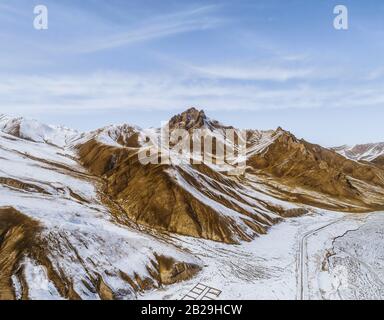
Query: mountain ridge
x=106, y=226
x=362, y=152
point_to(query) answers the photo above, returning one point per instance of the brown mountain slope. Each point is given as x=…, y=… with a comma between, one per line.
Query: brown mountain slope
x=299, y=164
x=379, y=161
x=160, y=196
x=17, y=238
x=203, y=201
x=194, y=200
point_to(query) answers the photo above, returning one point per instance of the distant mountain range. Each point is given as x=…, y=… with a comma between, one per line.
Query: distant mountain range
x=370, y=152
x=82, y=207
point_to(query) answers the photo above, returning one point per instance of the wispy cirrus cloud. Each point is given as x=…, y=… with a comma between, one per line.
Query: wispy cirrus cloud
x=200, y=18
x=375, y=74
x=253, y=73
x=9, y=13
x=121, y=91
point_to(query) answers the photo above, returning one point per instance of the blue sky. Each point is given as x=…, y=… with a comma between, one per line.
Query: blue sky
x=253, y=64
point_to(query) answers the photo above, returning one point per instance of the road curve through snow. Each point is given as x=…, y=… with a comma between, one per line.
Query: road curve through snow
x=302, y=259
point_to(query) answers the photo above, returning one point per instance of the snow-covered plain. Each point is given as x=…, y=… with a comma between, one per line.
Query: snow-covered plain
x=356, y=265
x=269, y=266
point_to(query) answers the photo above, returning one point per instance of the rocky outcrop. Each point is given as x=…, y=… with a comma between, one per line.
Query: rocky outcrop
x=189, y=119
x=193, y=118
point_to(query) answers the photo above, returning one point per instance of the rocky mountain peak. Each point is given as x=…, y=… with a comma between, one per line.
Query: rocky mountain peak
x=189, y=119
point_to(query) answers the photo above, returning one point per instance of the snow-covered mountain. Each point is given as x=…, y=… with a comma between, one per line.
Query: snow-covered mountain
x=81, y=217
x=36, y=131
x=362, y=152
x=59, y=240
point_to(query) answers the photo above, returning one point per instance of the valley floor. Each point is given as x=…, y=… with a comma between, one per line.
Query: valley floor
x=323, y=255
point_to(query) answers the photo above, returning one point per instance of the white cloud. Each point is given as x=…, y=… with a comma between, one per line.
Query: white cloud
x=375, y=74
x=253, y=72
x=106, y=91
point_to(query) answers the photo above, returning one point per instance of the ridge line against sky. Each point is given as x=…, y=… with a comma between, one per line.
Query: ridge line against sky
x=254, y=64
